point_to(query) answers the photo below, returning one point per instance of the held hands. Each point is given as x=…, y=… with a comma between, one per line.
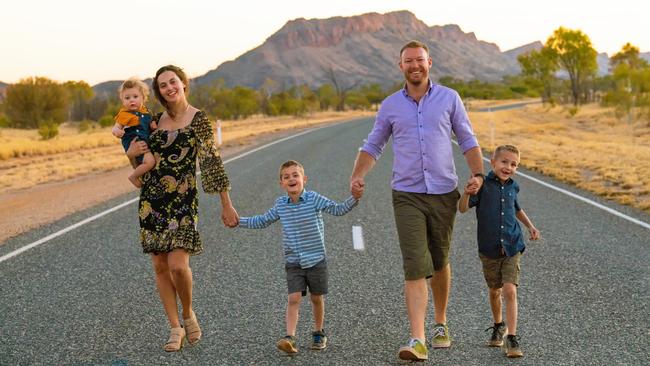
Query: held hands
x=357, y=186
x=472, y=187
x=153, y=125
x=229, y=216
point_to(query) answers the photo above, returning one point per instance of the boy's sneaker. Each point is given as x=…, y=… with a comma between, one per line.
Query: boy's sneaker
x=413, y=351
x=498, y=330
x=511, y=345
x=440, y=336
x=319, y=340
x=287, y=344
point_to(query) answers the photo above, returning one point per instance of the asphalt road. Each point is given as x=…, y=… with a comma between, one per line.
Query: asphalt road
x=88, y=297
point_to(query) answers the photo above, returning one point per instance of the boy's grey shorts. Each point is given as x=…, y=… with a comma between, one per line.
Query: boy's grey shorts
x=314, y=278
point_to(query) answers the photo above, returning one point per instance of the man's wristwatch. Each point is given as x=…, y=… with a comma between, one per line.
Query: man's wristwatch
x=480, y=175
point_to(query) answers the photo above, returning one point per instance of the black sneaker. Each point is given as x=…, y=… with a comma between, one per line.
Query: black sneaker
x=512, y=346
x=319, y=340
x=287, y=344
x=498, y=330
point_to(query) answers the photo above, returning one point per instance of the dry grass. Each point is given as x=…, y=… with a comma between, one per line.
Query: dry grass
x=26, y=161
x=592, y=150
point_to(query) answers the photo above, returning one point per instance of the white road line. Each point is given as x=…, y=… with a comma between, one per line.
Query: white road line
x=580, y=198
x=112, y=209
x=104, y=213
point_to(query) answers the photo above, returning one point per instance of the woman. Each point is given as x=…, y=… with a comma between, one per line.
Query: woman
x=169, y=201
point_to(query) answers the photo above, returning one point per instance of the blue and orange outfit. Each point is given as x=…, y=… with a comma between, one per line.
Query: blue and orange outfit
x=136, y=124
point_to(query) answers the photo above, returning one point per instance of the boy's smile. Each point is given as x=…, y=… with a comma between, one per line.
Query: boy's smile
x=293, y=180
x=505, y=165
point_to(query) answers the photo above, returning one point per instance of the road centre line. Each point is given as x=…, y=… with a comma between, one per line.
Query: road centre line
x=115, y=208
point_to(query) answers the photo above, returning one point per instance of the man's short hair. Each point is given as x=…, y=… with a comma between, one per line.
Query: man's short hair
x=290, y=163
x=414, y=44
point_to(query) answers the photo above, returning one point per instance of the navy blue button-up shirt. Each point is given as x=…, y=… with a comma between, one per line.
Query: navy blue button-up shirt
x=496, y=208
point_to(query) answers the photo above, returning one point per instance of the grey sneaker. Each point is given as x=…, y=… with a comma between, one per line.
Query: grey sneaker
x=413, y=351
x=287, y=344
x=440, y=337
x=511, y=346
x=319, y=340
x=498, y=330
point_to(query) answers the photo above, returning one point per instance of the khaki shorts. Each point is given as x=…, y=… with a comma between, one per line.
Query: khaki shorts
x=498, y=271
x=424, y=225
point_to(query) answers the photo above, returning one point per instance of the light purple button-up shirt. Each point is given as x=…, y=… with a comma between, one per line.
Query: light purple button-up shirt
x=423, y=159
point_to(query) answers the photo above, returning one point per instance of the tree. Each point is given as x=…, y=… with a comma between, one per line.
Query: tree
x=34, y=101
x=631, y=76
x=576, y=56
x=539, y=68
x=341, y=87
x=80, y=94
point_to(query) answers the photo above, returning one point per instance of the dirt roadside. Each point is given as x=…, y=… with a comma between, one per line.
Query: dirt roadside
x=31, y=208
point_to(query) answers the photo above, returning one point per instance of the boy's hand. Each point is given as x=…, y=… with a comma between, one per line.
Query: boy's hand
x=534, y=233
x=471, y=188
x=117, y=132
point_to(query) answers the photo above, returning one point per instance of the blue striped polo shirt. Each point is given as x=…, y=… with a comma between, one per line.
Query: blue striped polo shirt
x=303, y=234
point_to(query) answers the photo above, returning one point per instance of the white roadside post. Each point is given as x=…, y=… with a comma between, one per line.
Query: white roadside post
x=218, y=132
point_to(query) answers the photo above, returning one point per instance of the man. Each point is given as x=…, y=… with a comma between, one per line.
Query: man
x=421, y=118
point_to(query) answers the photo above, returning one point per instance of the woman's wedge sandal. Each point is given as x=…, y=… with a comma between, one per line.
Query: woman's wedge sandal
x=176, y=340
x=192, y=328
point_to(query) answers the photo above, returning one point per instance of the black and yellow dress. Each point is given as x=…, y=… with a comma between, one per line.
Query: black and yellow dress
x=169, y=198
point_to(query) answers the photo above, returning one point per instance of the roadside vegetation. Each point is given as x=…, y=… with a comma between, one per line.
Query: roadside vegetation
x=590, y=130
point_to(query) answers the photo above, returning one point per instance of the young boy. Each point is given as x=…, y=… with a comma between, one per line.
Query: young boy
x=299, y=212
x=134, y=121
x=500, y=241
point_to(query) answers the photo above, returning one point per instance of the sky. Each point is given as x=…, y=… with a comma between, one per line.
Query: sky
x=98, y=40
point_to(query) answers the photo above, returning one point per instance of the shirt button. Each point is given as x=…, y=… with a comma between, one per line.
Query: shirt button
x=502, y=200
x=502, y=226
x=502, y=240
x=501, y=213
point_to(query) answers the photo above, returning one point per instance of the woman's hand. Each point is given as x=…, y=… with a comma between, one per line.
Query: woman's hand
x=137, y=148
x=229, y=216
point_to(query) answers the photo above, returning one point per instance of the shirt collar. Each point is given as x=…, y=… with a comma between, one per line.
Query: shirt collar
x=406, y=94
x=494, y=177
x=301, y=198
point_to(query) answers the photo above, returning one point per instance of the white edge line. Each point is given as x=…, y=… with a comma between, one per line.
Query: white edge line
x=112, y=209
x=580, y=198
x=115, y=208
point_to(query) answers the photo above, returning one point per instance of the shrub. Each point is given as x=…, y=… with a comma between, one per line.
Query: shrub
x=85, y=125
x=48, y=129
x=106, y=121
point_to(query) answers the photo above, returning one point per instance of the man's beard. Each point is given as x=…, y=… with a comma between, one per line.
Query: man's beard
x=423, y=78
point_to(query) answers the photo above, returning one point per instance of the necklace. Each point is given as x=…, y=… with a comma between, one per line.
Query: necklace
x=174, y=118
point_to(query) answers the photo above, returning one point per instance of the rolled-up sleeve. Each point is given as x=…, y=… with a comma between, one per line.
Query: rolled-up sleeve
x=213, y=173
x=378, y=137
x=461, y=126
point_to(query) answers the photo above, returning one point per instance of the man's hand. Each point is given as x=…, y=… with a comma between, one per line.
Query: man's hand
x=357, y=186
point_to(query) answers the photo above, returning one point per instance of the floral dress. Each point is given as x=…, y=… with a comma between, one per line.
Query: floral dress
x=169, y=198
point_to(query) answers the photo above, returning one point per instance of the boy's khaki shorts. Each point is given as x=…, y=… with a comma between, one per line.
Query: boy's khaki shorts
x=424, y=225
x=498, y=271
